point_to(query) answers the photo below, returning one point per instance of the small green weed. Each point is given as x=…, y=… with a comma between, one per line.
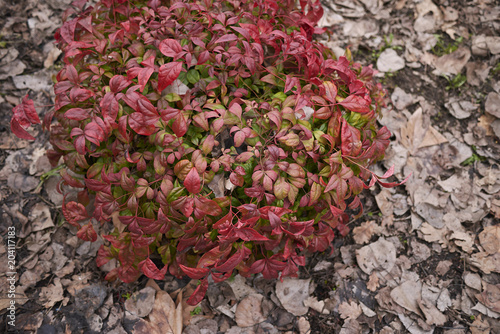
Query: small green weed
x=473, y=158
x=456, y=82
x=387, y=45
x=196, y=311
x=442, y=48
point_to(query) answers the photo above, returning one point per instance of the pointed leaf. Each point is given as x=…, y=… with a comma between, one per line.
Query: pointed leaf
x=151, y=270
x=194, y=273
x=193, y=181
x=356, y=103
x=170, y=47
x=167, y=74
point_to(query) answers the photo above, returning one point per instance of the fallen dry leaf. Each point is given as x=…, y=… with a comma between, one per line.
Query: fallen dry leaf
x=304, y=326
x=453, y=63
x=431, y=313
x=490, y=296
x=480, y=326
x=141, y=302
x=379, y=255
x=350, y=310
x=487, y=263
x=318, y=306
x=363, y=233
x=52, y=294
x=249, y=311
x=408, y=295
x=373, y=283
x=292, y=293
x=162, y=319
x=490, y=239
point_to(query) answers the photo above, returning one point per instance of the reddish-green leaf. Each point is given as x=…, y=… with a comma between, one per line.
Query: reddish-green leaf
x=330, y=91
x=87, y=233
x=151, y=270
x=207, y=206
x=194, y=273
x=227, y=38
x=167, y=74
x=25, y=113
x=170, y=47
x=19, y=131
x=192, y=182
x=249, y=234
x=351, y=140
x=356, y=103
x=198, y=294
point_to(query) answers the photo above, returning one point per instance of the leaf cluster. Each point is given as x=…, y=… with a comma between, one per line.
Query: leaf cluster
x=218, y=132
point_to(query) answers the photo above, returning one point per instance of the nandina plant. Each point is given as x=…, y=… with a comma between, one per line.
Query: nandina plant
x=218, y=132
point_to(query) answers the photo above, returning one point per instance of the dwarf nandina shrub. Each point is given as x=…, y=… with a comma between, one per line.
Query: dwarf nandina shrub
x=218, y=132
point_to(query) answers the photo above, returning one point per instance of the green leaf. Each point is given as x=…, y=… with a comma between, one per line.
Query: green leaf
x=193, y=76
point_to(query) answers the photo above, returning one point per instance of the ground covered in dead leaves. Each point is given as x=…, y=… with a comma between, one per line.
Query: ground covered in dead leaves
x=424, y=258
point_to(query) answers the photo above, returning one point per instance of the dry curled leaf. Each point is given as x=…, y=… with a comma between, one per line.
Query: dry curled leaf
x=364, y=232
x=490, y=239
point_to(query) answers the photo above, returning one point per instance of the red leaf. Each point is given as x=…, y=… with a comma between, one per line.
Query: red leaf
x=379, y=145
x=118, y=83
x=87, y=233
x=193, y=181
x=239, y=138
x=290, y=82
x=207, y=206
x=227, y=38
x=213, y=256
x=356, y=103
x=139, y=125
x=323, y=113
x=94, y=133
x=249, y=234
x=148, y=111
x=167, y=74
x=151, y=270
x=109, y=106
x=234, y=260
x=331, y=91
x=351, y=140
x=236, y=179
x=77, y=114
x=198, y=294
x=103, y=256
x=194, y=273
x=80, y=94
x=170, y=47
x=179, y=126
x=19, y=131
x=74, y=212
x=67, y=30
x=25, y=113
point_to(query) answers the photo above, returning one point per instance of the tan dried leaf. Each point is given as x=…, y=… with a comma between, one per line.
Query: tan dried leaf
x=373, y=283
x=490, y=296
x=431, y=313
x=350, y=310
x=432, y=234
x=162, y=319
x=364, y=232
x=463, y=240
x=52, y=294
x=487, y=263
x=249, y=311
x=490, y=239
x=480, y=326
